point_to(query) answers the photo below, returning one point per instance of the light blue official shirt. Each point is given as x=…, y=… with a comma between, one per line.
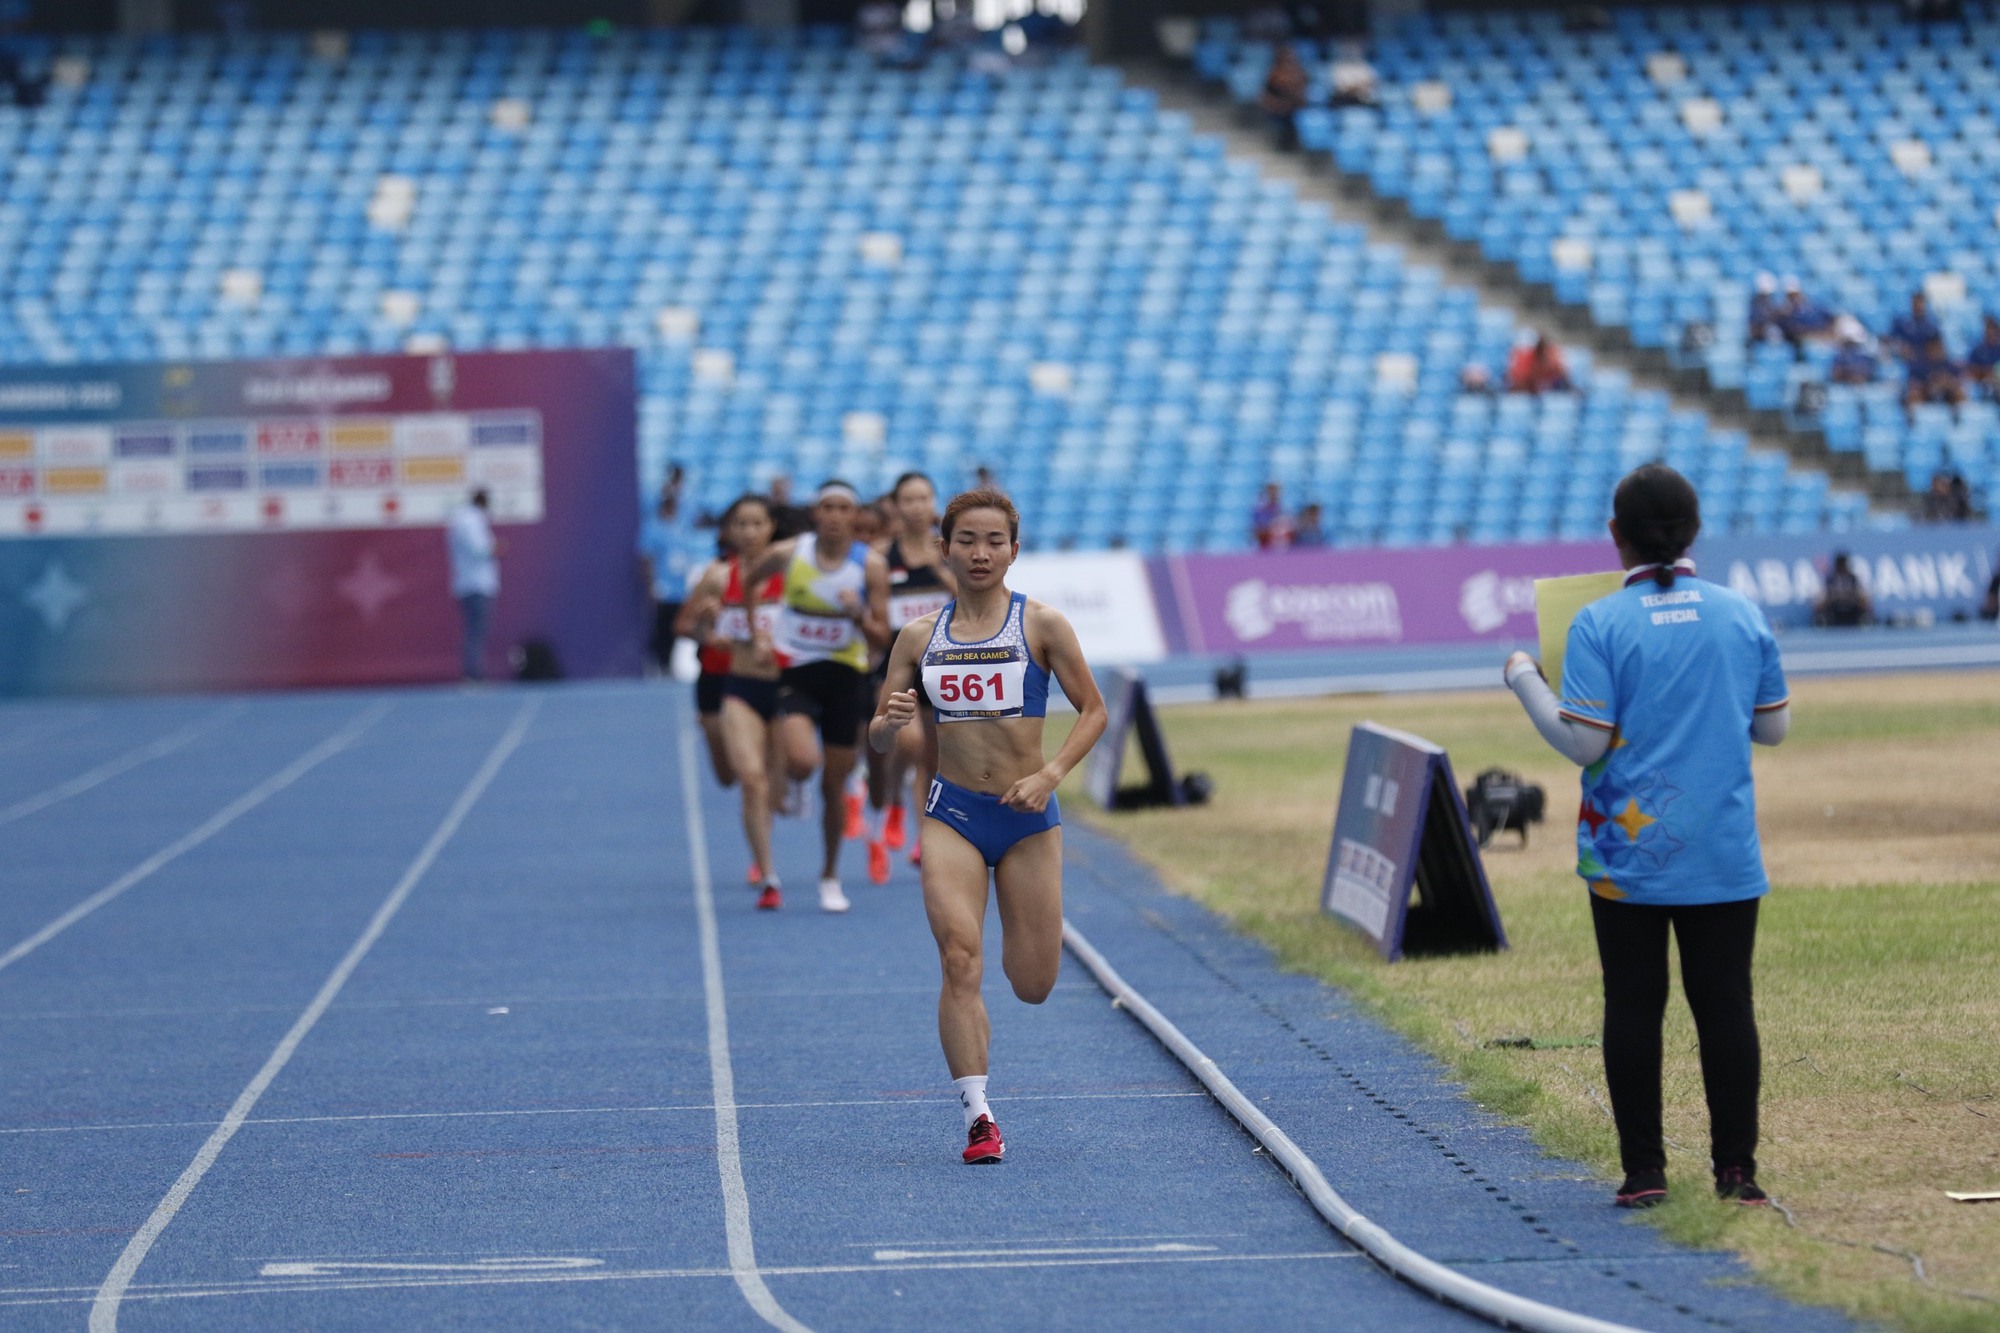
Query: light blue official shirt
x=670, y=545
x=1675, y=675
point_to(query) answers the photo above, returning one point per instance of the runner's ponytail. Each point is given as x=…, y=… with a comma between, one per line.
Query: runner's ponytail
x=1659, y=516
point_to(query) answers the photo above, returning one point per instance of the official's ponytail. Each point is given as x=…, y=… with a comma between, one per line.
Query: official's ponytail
x=1658, y=516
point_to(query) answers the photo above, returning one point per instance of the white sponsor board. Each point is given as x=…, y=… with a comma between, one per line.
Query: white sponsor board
x=1105, y=594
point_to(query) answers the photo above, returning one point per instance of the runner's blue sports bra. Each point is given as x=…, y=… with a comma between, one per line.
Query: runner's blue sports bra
x=983, y=682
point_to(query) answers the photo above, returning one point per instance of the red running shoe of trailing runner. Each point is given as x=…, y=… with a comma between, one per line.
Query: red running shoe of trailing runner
x=892, y=829
x=855, y=825
x=982, y=1142
x=770, y=900
x=755, y=877
x=878, y=863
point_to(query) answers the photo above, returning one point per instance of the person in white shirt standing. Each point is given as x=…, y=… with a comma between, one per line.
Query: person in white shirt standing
x=475, y=576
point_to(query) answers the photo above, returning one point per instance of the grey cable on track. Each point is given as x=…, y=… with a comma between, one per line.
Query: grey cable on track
x=1425, y=1274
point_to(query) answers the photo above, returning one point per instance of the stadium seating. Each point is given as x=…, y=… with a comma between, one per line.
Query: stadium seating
x=826, y=267
x=1661, y=164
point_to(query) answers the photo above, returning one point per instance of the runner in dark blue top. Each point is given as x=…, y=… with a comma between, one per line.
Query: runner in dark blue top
x=991, y=814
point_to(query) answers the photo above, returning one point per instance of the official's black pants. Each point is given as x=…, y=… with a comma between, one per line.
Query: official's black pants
x=1716, y=942
x=661, y=642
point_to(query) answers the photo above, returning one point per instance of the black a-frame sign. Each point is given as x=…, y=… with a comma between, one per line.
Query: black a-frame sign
x=1405, y=867
x=1131, y=711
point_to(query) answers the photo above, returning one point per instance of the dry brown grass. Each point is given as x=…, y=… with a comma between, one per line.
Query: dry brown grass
x=1877, y=966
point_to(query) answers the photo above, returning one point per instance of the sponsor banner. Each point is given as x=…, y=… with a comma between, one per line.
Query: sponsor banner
x=1105, y=595
x=1276, y=602
x=233, y=525
x=1920, y=575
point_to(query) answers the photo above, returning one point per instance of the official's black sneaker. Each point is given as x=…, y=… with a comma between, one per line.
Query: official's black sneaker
x=1733, y=1184
x=1642, y=1189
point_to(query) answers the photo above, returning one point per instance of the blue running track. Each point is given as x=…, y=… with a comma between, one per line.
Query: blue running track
x=365, y=1011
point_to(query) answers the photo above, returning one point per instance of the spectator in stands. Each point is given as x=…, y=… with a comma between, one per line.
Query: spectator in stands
x=1843, y=601
x=1764, y=309
x=1801, y=320
x=1949, y=500
x=1853, y=363
x=1911, y=333
x=1537, y=367
x=879, y=31
x=1310, y=531
x=475, y=577
x=790, y=519
x=1353, y=78
x=1475, y=378
x=1284, y=92
x=1982, y=363
x=1933, y=377
x=1269, y=523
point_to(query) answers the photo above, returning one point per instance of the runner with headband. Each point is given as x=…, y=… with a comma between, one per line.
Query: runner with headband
x=748, y=708
x=835, y=596
x=987, y=657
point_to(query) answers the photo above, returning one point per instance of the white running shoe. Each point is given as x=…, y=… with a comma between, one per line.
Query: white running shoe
x=831, y=899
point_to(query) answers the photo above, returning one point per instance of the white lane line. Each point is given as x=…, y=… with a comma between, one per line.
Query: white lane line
x=217, y=822
x=111, y=768
x=467, y=1002
x=339, y=1267
x=1170, y=1247
x=928, y=1103
x=728, y=1153
x=12, y=1296
x=104, y=1308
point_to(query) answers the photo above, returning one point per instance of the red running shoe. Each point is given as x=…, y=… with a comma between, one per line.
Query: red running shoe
x=982, y=1143
x=892, y=828
x=878, y=863
x=917, y=855
x=855, y=827
x=770, y=900
x=755, y=877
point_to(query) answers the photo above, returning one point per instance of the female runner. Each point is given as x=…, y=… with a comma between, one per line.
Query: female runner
x=697, y=621
x=834, y=591
x=1665, y=686
x=749, y=708
x=986, y=658
x=919, y=585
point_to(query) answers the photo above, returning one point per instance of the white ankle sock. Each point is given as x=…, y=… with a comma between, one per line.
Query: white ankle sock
x=972, y=1097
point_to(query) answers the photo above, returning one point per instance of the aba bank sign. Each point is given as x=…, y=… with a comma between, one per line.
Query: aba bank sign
x=1923, y=573
x=1331, y=599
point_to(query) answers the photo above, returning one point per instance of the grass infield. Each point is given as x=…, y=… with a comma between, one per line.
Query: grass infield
x=1878, y=965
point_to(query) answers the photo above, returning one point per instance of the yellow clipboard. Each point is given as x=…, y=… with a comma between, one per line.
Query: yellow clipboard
x=1556, y=603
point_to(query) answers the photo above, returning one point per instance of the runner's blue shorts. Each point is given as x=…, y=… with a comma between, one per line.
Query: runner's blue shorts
x=985, y=823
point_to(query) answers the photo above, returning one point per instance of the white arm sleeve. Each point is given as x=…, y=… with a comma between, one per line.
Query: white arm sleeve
x=1771, y=727
x=1578, y=742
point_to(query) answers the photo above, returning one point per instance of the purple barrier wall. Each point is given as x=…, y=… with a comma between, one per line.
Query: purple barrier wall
x=1262, y=602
